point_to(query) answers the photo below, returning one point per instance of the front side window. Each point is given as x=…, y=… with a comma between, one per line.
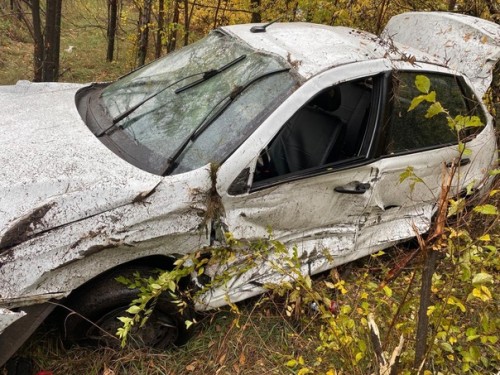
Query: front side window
x=193, y=107
x=329, y=129
x=411, y=130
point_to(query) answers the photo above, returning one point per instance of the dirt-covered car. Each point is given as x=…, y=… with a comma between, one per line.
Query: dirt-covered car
x=297, y=127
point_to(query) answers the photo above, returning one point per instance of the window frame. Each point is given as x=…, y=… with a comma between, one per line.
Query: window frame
x=366, y=154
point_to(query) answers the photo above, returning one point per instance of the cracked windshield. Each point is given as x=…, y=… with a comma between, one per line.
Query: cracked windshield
x=211, y=96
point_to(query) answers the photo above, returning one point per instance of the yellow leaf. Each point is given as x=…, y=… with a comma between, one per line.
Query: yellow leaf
x=359, y=356
x=304, y=371
x=485, y=238
x=486, y=291
x=422, y=83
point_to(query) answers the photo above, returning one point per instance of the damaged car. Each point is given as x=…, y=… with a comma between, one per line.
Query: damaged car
x=298, y=127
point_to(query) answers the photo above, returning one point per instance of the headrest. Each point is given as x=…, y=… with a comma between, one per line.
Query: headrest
x=328, y=100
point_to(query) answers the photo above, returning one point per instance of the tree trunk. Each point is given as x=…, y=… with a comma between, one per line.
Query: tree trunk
x=161, y=29
x=145, y=19
x=186, y=22
x=38, y=50
x=111, y=32
x=255, y=7
x=50, y=68
x=172, y=38
x=425, y=297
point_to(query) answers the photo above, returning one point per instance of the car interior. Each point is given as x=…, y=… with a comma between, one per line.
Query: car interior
x=328, y=129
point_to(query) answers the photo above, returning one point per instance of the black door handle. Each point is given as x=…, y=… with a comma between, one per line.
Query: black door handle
x=354, y=187
x=461, y=162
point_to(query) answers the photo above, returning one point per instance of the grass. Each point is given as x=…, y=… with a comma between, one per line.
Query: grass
x=83, y=27
x=218, y=346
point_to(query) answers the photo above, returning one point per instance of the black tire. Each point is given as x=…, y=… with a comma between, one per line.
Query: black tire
x=98, y=304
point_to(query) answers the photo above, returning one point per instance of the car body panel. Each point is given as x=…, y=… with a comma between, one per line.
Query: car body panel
x=169, y=221
x=7, y=317
x=467, y=44
x=327, y=47
x=391, y=211
x=56, y=172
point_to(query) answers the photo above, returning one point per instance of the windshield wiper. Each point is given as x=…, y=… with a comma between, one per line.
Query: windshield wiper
x=209, y=74
x=211, y=117
x=206, y=75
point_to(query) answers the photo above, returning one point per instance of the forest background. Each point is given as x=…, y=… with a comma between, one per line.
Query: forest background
x=99, y=40
x=84, y=41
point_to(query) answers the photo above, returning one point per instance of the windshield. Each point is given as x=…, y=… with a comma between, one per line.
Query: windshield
x=160, y=106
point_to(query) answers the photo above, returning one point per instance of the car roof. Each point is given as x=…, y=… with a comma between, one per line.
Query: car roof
x=313, y=48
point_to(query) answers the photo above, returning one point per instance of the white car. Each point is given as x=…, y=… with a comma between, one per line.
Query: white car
x=297, y=127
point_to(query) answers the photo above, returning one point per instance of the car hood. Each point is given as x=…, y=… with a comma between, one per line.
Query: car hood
x=53, y=169
x=467, y=44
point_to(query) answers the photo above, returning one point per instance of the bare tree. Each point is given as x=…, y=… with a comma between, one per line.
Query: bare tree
x=46, y=37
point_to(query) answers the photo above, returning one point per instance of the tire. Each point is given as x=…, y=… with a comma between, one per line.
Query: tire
x=98, y=304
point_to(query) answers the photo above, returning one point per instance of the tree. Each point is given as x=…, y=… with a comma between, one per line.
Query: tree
x=160, y=32
x=46, y=37
x=111, y=30
x=144, y=25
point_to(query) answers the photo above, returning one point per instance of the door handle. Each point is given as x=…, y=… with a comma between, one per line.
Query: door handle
x=354, y=187
x=461, y=162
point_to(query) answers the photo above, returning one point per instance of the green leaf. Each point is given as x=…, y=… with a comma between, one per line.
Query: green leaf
x=464, y=150
x=434, y=109
x=461, y=122
x=133, y=309
x=486, y=209
x=431, y=98
x=475, y=353
x=456, y=302
x=456, y=206
x=446, y=346
x=470, y=187
x=292, y=363
x=387, y=291
x=359, y=357
x=415, y=102
x=124, y=319
x=482, y=278
x=123, y=280
x=422, y=83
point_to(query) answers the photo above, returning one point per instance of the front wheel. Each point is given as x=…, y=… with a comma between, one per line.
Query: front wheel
x=98, y=305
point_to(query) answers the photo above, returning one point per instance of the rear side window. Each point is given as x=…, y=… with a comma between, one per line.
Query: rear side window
x=408, y=131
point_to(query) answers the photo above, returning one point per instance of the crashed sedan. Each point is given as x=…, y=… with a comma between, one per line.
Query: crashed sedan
x=297, y=127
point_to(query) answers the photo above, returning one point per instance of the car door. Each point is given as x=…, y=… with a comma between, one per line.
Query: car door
x=311, y=183
x=416, y=152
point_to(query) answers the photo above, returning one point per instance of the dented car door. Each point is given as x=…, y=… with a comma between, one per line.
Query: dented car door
x=416, y=152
